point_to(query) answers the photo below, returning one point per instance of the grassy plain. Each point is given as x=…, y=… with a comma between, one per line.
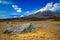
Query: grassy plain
x=45, y=30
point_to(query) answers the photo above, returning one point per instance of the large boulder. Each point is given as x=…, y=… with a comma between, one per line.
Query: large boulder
x=20, y=29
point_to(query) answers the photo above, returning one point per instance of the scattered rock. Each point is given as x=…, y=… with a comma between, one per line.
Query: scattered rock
x=20, y=29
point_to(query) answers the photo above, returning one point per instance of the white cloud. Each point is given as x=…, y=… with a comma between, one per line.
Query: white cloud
x=15, y=16
x=19, y=10
x=50, y=6
x=15, y=7
x=55, y=7
x=4, y=2
x=28, y=13
x=22, y=16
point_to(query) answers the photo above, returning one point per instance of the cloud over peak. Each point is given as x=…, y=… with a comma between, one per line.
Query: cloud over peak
x=50, y=6
x=55, y=7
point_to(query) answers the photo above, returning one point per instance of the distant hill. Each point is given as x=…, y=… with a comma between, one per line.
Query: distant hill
x=38, y=16
x=42, y=15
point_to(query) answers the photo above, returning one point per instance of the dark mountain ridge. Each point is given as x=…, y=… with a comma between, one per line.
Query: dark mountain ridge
x=43, y=15
x=38, y=16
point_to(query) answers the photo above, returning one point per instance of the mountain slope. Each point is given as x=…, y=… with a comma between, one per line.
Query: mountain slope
x=43, y=15
x=38, y=16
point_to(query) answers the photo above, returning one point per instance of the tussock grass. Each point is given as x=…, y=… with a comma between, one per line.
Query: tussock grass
x=45, y=30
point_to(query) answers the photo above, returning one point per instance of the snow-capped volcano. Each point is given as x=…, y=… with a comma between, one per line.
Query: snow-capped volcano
x=42, y=15
x=46, y=14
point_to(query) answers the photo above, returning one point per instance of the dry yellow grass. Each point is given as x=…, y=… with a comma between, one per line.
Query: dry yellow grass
x=46, y=30
x=38, y=35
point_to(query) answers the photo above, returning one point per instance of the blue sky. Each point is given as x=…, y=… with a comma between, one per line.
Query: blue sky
x=21, y=8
